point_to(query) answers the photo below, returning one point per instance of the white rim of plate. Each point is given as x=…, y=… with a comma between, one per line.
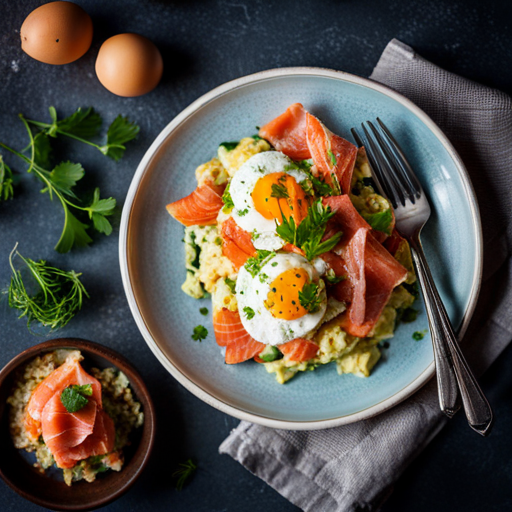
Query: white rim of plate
x=226, y=88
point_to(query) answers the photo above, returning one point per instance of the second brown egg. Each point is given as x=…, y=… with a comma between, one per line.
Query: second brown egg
x=129, y=65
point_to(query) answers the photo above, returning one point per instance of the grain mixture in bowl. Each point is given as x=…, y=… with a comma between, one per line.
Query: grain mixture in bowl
x=118, y=403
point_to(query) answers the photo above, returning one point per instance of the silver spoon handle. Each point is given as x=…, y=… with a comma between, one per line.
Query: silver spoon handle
x=449, y=359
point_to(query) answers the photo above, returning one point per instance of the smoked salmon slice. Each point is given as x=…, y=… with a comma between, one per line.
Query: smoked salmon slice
x=333, y=156
x=299, y=350
x=287, y=133
x=201, y=207
x=61, y=429
x=230, y=333
x=236, y=243
x=100, y=442
x=67, y=374
x=372, y=272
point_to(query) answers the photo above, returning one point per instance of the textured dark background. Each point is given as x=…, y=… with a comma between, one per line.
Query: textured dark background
x=206, y=43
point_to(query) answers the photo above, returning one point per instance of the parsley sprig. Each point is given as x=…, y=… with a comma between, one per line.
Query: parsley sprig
x=309, y=233
x=200, y=333
x=54, y=300
x=309, y=297
x=60, y=181
x=254, y=265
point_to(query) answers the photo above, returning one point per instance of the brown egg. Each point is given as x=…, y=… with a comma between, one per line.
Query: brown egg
x=129, y=65
x=56, y=33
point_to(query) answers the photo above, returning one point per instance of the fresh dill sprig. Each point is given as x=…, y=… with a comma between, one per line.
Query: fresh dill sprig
x=185, y=471
x=56, y=300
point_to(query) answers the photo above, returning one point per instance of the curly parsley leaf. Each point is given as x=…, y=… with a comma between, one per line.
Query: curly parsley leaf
x=380, y=221
x=309, y=297
x=73, y=398
x=200, y=333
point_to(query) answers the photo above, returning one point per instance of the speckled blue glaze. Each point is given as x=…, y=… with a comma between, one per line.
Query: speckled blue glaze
x=155, y=253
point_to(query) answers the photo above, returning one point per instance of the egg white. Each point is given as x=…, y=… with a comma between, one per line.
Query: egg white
x=253, y=291
x=241, y=187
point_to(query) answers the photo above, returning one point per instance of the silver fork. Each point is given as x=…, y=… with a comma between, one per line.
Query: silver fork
x=396, y=180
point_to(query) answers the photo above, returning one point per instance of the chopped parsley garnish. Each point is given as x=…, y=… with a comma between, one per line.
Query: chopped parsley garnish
x=274, y=264
x=243, y=212
x=309, y=297
x=309, y=233
x=200, y=333
x=203, y=311
x=228, y=201
x=255, y=235
x=231, y=284
x=253, y=265
x=419, y=335
x=380, y=221
x=229, y=146
x=332, y=157
x=332, y=278
x=279, y=191
x=249, y=313
x=74, y=398
x=263, y=278
x=185, y=471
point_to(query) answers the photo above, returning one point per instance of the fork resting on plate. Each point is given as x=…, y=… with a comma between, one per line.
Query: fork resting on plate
x=396, y=180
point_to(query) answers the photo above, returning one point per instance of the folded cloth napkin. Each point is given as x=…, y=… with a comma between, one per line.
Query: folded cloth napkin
x=354, y=466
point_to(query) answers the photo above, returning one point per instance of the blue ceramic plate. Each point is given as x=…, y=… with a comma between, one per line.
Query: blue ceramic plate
x=152, y=255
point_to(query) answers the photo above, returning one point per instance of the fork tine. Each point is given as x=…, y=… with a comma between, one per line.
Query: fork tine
x=382, y=169
x=401, y=161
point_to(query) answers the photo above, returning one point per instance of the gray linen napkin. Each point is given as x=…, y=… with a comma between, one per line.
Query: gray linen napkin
x=354, y=466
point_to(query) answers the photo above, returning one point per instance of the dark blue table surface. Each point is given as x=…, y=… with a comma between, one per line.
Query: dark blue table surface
x=204, y=44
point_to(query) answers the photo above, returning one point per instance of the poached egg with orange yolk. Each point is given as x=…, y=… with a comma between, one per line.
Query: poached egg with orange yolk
x=269, y=304
x=266, y=187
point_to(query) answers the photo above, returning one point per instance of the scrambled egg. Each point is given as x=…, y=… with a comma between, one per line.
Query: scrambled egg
x=234, y=158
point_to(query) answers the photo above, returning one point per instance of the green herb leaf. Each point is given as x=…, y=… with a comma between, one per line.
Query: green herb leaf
x=99, y=209
x=65, y=175
x=419, y=335
x=242, y=213
x=309, y=297
x=308, y=235
x=200, y=333
x=249, y=313
x=409, y=315
x=73, y=234
x=231, y=284
x=121, y=131
x=270, y=353
x=203, y=311
x=380, y=221
x=229, y=146
x=253, y=265
x=42, y=150
x=228, y=202
x=185, y=471
x=84, y=123
x=332, y=278
x=6, y=181
x=57, y=296
x=279, y=191
x=73, y=398
x=332, y=157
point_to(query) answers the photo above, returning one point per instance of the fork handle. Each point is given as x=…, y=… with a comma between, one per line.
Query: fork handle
x=449, y=359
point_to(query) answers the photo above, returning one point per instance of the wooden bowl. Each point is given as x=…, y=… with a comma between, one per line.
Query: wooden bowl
x=49, y=492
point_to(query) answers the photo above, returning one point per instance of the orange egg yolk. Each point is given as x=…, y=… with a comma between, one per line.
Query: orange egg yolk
x=283, y=297
x=278, y=194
